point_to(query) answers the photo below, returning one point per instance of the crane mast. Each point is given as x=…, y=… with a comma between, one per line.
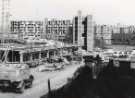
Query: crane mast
x=5, y=22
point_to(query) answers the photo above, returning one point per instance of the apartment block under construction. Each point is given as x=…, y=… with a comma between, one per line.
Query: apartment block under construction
x=27, y=29
x=83, y=31
x=80, y=31
x=60, y=30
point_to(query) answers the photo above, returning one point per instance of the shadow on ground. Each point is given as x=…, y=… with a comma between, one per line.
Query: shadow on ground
x=110, y=84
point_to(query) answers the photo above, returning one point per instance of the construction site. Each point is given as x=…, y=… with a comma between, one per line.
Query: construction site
x=27, y=65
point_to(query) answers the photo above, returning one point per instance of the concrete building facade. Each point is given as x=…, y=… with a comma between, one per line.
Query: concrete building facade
x=78, y=29
x=103, y=33
x=125, y=36
x=60, y=30
x=83, y=31
x=26, y=29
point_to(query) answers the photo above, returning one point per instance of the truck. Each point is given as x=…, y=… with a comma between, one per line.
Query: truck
x=14, y=74
x=15, y=78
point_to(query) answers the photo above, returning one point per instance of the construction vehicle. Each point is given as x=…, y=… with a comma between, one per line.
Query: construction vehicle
x=14, y=74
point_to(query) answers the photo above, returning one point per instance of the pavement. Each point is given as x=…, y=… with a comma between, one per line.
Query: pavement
x=40, y=87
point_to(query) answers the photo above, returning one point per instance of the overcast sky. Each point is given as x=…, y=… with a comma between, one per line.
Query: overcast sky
x=104, y=11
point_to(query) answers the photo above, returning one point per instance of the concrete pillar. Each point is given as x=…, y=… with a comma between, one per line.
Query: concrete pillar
x=40, y=55
x=31, y=57
x=47, y=53
x=61, y=52
x=21, y=57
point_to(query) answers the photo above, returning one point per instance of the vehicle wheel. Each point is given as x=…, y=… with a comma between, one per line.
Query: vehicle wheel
x=30, y=84
x=31, y=78
x=21, y=89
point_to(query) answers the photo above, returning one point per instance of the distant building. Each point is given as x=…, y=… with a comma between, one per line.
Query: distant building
x=125, y=36
x=83, y=31
x=60, y=30
x=26, y=29
x=123, y=39
x=114, y=34
x=115, y=29
x=103, y=33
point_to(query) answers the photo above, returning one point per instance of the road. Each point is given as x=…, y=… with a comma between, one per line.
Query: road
x=57, y=79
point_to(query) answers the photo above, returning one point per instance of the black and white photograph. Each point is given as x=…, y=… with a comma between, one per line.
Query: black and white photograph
x=67, y=48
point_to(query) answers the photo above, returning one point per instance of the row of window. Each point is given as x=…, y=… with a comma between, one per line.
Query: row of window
x=37, y=26
x=57, y=28
x=62, y=32
x=27, y=29
x=59, y=22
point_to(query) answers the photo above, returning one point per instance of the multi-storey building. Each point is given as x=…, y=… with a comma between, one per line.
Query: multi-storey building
x=60, y=30
x=115, y=29
x=126, y=35
x=78, y=29
x=103, y=33
x=83, y=31
x=116, y=34
x=25, y=29
x=123, y=29
x=132, y=29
